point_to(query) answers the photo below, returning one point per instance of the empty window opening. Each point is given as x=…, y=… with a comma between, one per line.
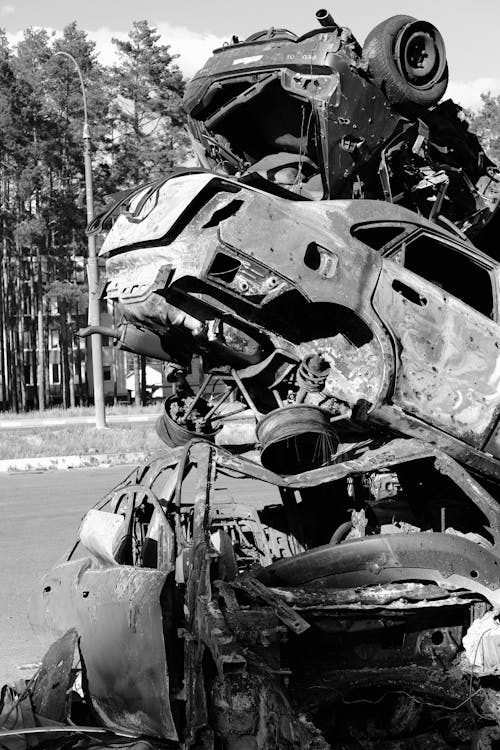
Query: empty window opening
x=224, y=268
x=452, y=271
x=377, y=236
x=290, y=126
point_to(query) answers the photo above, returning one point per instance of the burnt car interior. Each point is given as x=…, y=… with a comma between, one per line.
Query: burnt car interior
x=345, y=591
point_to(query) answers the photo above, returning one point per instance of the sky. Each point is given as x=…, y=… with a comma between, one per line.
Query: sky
x=194, y=28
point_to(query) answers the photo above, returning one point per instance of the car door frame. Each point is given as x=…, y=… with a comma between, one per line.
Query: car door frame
x=389, y=253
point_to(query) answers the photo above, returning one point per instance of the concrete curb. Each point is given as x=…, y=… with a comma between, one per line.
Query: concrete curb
x=56, y=463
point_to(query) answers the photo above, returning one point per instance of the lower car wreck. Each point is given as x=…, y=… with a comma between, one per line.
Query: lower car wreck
x=211, y=603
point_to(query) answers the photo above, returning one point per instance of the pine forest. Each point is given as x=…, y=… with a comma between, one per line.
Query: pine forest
x=137, y=133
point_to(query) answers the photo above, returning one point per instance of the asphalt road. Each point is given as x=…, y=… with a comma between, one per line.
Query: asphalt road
x=39, y=517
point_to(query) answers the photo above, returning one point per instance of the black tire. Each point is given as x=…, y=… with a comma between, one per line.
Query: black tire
x=406, y=58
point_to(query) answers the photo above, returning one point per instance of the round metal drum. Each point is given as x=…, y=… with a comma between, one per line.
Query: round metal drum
x=296, y=438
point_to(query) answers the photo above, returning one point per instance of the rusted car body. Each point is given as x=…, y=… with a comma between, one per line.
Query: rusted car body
x=405, y=314
x=217, y=604
x=325, y=118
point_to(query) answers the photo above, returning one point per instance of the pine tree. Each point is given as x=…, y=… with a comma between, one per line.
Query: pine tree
x=148, y=118
x=486, y=124
x=136, y=119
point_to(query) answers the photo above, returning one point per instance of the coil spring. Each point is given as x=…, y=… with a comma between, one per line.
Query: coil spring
x=312, y=373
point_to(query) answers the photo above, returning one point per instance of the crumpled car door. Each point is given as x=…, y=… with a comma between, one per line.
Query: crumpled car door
x=448, y=355
x=116, y=609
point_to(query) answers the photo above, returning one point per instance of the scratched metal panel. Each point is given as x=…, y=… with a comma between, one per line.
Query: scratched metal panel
x=52, y=605
x=449, y=355
x=158, y=214
x=273, y=231
x=278, y=233
x=140, y=270
x=361, y=115
x=122, y=644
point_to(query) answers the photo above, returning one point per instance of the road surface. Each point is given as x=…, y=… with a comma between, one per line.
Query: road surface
x=40, y=514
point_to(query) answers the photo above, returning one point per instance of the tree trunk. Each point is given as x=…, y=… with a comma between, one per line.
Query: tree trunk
x=137, y=380
x=6, y=351
x=71, y=363
x=63, y=345
x=14, y=394
x=40, y=348
x=3, y=342
x=144, y=392
x=81, y=379
x=20, y=372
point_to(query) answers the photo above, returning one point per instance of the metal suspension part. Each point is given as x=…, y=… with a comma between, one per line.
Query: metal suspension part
x=311, y=376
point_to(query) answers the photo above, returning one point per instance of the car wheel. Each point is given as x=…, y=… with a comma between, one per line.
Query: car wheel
x=406, y=58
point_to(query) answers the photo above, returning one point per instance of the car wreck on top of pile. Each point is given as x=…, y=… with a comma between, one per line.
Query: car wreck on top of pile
x=325, y=119
x=339, y=587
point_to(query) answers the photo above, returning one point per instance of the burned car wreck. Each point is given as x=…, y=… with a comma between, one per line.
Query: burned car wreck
x=325, y=118
x=314, y=562
x=210, y=602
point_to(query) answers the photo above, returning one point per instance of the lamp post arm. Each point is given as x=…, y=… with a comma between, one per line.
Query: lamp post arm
x=86, y=128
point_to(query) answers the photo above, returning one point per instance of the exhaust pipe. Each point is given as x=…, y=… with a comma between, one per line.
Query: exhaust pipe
x=83, y=333
x=131, y=339
x=325, y=18
x=138, y=341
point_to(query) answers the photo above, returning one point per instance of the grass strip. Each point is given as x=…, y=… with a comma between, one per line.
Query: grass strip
x=79, y=440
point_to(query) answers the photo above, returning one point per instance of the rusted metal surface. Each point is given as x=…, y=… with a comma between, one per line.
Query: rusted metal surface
x=52, y=612
x=357, y=140
x=390, y=558
x=121, y=640
x=157, y=211
x=286, y=614
x=395, y=452
x=448, y=370
x=376, y=596
x=50, y=693
x=198, y=592
x=117, y=615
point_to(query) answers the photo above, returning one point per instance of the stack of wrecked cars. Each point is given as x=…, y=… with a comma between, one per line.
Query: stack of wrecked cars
x=332, y=262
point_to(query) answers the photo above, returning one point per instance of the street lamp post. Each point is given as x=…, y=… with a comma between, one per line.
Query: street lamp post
x=92, y=270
